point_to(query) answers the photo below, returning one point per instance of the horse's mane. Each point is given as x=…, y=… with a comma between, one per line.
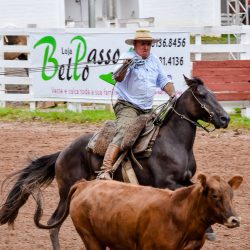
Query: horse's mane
x=198, y=80
x=195, y=82
x=192, y=84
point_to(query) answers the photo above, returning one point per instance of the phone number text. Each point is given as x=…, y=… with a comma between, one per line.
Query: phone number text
x=172, y=61
x=170, y=42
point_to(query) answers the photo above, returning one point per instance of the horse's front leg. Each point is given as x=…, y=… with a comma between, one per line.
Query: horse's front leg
x=168, y=181
x=168, y=172
x=191, y=166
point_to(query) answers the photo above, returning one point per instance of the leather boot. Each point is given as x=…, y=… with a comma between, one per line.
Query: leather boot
x=110, y=158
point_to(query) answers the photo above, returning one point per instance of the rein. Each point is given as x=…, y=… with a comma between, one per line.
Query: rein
x=197, y=124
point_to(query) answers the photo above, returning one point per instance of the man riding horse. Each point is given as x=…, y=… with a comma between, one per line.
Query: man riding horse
x=171, y=164
x=137, y=80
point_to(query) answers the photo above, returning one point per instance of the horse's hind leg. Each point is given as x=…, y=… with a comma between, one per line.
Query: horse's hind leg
x=54, y=237
x=54, y=232
x=64, y=186
x=69, y=169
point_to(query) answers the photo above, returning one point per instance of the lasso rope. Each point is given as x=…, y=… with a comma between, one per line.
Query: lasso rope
x=52, y=68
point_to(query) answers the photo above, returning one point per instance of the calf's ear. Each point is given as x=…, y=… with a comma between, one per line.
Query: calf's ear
x=203, y=179
x=235, y=181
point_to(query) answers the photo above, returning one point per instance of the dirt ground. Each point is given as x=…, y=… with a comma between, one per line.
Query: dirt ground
x=221, y=152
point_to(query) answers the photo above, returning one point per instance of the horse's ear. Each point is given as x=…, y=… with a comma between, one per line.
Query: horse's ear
x=203, y=179
x=185, y=78
x=188, y=81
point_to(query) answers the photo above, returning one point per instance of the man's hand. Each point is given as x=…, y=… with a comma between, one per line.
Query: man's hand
x=127, y=61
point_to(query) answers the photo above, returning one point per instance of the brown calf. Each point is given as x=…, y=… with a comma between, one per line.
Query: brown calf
x=126, y=216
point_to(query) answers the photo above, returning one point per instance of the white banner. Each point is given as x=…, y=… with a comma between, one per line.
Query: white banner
x=70, y=65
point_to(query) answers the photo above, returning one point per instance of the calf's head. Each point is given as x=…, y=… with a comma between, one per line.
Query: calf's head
x=217, y=196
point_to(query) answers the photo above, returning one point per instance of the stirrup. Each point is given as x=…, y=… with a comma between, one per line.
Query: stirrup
x=210, y=234
x=104, y=175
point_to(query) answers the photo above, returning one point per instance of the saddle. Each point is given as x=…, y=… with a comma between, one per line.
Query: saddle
x=137, y=142
x=139, y=139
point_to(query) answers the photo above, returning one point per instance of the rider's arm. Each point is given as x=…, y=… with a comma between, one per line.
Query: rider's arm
x=164, y=81
x=169, y=89
x=120, y=74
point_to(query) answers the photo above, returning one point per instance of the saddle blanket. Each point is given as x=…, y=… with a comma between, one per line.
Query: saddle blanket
x=140, y=139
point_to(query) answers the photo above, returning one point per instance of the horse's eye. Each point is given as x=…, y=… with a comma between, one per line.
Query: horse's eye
x=203, y=96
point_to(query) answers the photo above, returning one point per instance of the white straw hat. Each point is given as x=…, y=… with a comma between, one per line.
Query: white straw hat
x=142, y=35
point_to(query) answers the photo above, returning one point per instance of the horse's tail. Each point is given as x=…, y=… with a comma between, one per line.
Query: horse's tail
x=40, y=172
x=39, y=211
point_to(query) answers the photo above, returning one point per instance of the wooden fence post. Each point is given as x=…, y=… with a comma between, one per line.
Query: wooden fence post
x=74, y=106
x=2, y=85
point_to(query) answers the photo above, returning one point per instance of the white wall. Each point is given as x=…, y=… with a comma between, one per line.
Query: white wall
x=128, y=9
x=181, y=12
x=77, y=12
x=73, y=10
x=52, y=13
x=43, y=13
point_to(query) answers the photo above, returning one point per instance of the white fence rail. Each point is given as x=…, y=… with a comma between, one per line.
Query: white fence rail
x=24, y=82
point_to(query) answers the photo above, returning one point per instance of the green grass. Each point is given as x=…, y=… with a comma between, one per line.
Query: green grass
x=89, y=116
x=92, y=116
x=237, y=121
x=223, y=39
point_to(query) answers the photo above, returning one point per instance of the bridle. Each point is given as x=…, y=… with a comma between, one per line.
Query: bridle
x=197, y=124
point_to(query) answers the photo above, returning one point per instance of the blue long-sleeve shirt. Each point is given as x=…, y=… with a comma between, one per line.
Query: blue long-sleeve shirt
x=141, y=80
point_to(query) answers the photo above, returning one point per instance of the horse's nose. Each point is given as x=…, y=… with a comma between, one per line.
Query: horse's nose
x=225, y=119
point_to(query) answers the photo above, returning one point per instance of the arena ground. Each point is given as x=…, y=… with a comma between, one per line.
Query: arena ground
x=223, y=152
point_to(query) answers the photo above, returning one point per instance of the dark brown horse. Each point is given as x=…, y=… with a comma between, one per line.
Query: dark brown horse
x=171, y=165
